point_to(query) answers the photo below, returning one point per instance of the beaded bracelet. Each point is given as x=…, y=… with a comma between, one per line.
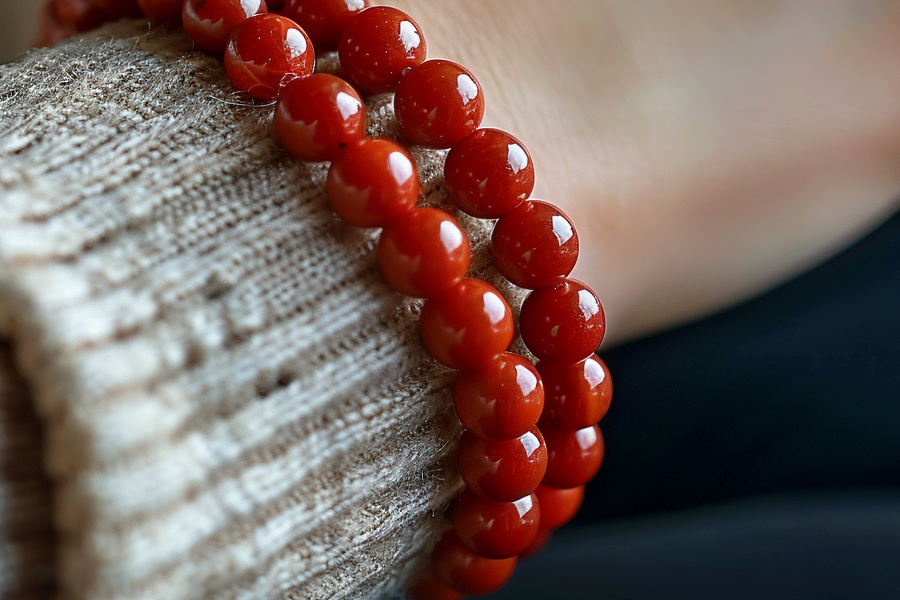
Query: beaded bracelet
x=531, y=439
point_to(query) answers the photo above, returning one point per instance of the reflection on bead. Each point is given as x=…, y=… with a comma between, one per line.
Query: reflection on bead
x=534, y=245
x=318, y=117
x=563, y=323
x=577, y=394
x=373, y=183
x=378, y=46
x=467, y=325
x=495, y=529
x=423, y=253
x=504, y=470
x=502, y=401
x=558, y=506
x=266, y=51
x=462, y=569
x=438, y=103
x=209, y=23
x=488, y=174
x=162, y=11
x=323, y=21
x=426, y=586
x=574, y=456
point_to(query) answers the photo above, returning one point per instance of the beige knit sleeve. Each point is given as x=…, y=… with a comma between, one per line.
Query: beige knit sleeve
x=233, y=404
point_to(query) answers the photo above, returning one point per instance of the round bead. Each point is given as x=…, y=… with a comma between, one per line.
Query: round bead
x=78, y=15
x=574, y=456
x=427, y=586
x=323, y=21
x=577, y=395
x=540, y=540
x=209, y=23
x=378, y=46
x=373, y=183
x=462, y=569
x=495, y=529
x=119, y=8
x=558, y=506
x=502, y=401
x=534, y=245
x=438, y=103
x=162, y=11
x=488, y=174
x=467, y=325
x=423, y=253
x=563, y=323
x=502, y=470
x=266, y=51
x=318, y=117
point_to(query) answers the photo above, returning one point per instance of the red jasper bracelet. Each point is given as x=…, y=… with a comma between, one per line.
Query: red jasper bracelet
x=531, y=439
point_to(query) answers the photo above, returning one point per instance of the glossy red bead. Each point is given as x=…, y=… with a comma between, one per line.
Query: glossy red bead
x=488, y=174
x=502, y=470
x=378, y=46
x=119, y=8
x=495, y=529
x=372, y=183
x=562, y=323
x=558, y=506
x=577, y=394
x=574, y=456
x=460, y=568
x=540, y=541
x=162, y=11
x=318, y=117
x=426, y=586
x=209, y=23
x=467, y=325
x=438, y=103
x=76, y=15
x=534, y=245
x=324, y=21
x=265, y=52
x=423, y=253
x=502, y=401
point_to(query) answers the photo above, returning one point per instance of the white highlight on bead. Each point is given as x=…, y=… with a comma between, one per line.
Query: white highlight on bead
x=516, y=157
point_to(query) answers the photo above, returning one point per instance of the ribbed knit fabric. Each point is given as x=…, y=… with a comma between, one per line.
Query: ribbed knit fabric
x=234, y=404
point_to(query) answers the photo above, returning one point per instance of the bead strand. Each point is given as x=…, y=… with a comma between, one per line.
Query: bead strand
x=531, y=441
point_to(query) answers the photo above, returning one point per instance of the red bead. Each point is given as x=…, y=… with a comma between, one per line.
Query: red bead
x=265, y=52
x=378, y=46
x=502, y=470
x=467, y=326
x=495, y=529
x=488, y=174
x=438, y=104
x=558, y=506
x=209, y=23
x=374, y=182
x=162, y=11
x=577, y=394
x=423, y=253
x=502, y=401
x=119, y=8
x=462, y=569
x=574, y=456
x=540, y=540
x=427, y=586
x=534, y=245
x=323, y=21
x=563, y=323
x=79, y=15
x=318, y=117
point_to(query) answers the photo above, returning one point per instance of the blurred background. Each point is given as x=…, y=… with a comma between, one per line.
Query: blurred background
x=18, y=26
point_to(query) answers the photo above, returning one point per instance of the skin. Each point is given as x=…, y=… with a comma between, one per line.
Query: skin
x=706, y=149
